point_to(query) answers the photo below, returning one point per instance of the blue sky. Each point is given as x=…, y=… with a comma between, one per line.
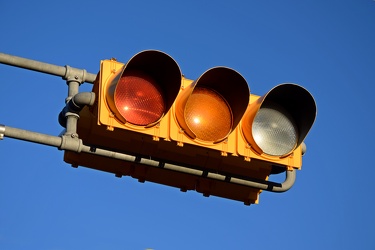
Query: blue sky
x=325, y=46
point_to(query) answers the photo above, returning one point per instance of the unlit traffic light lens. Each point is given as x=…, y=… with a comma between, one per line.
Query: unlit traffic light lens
x=138, y=98
x=208, y=115
x=274, y=130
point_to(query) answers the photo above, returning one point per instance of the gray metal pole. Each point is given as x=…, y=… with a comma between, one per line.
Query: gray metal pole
x=35, y=137
x=78, y=74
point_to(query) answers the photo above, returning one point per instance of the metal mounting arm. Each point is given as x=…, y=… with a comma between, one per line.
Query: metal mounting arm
x=66, y=142
x=67, y=72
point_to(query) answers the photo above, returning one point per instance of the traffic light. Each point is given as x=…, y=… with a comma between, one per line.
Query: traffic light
x=137, y=95
x=276, y=124
x=211, y=127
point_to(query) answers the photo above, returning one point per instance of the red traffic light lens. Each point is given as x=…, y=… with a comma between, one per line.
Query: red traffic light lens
x=138, y=98
x=208, y=115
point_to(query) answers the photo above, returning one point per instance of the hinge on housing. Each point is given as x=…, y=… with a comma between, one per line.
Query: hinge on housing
x=111, y=118
x=180, y=136
x=224, y=151
x=156, y=136
x=247, y=152
x=290, y=162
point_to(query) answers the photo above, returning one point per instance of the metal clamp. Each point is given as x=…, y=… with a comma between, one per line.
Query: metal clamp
x=73, y=74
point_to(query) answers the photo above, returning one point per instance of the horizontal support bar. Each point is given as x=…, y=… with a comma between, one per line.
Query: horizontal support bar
x=29, y=136
x=74, y=144
x=65, y=72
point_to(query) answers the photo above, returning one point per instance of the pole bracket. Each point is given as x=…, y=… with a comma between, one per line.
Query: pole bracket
x=74, y=74
x=71, y=143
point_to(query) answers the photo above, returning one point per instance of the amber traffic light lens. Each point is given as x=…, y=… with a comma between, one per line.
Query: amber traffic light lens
x=208, y=115
x=138, y=99
x=274, y=130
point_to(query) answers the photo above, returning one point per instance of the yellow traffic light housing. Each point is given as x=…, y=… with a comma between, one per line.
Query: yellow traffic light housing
x=137, y=95
x=276, y=124
x=209, y=108
x=212, y=126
